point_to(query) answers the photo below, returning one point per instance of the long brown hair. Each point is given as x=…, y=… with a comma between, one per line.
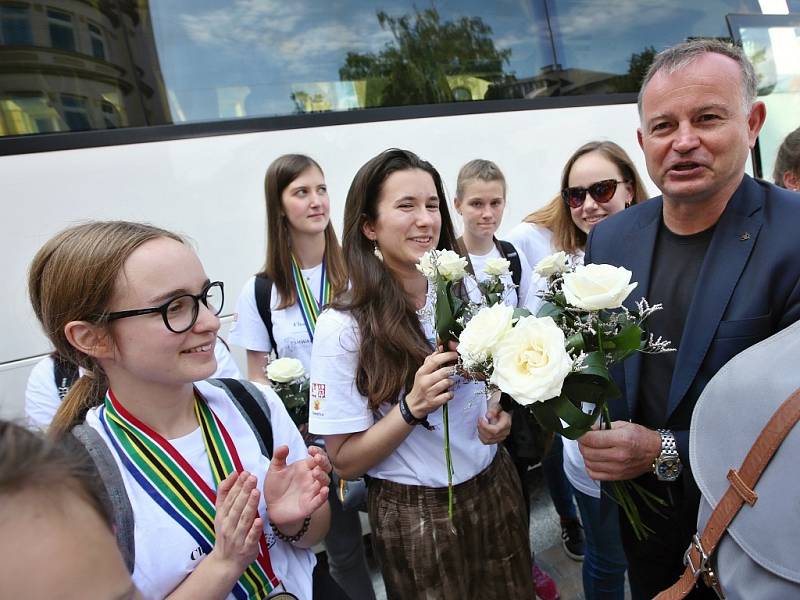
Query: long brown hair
x=73, y=278
x=278, y=266
x=555, y=215
x=393, y=345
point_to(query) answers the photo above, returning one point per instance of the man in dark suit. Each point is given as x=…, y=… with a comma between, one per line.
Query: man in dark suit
x=721, y=251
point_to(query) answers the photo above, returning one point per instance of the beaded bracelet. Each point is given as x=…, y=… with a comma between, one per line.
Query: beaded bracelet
x=291, y=538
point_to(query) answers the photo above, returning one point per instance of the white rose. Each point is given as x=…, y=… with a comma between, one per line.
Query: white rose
x=496, y=266
x=451, y=266
x=483, y=332
x=552, y=264
x=530, y=362
x=285, y=370
x=595, y=287
x=426, y=264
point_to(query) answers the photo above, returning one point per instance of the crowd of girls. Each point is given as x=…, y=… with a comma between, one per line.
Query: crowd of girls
x=132, y=307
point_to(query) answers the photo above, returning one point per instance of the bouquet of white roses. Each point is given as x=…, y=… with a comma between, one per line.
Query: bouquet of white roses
x=558, y=360
x=493, y=288
x=290, y=382
x=443, y=268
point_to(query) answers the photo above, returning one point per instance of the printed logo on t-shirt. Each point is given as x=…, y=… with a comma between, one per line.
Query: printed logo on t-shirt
x=317, y=396
x=197, y=553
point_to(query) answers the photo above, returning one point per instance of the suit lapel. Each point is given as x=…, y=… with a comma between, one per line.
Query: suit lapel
x=637, y=249
x=730, y=247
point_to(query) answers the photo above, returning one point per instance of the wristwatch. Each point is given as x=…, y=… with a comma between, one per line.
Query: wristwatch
x=667, y=466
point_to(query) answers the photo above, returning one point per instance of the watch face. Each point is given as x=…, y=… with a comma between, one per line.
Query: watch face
x=668, y=469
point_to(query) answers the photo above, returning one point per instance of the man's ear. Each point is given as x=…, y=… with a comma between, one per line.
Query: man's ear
x=88, y=338
x=368, y=230
x=639, y=138
x=756, y=118
x=791, y=181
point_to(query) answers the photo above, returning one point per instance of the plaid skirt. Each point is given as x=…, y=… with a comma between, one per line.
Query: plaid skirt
x=483, y=553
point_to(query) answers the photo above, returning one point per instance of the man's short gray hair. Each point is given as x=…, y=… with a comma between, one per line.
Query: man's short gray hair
x=682, y=55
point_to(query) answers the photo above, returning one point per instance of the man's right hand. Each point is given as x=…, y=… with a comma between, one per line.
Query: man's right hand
x=625, y=451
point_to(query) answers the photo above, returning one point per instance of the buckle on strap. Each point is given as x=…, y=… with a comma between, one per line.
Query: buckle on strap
x=703, y=569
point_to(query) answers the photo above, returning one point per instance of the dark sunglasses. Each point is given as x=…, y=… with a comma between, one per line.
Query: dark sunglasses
x=180, y=313
x=600, y=191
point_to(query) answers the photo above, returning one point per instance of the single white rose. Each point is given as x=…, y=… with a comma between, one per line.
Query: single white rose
x=483, y=332
x=426, y=264
x=496, y=266
x=595, y=287
x=530, y=362
x=451, y=266
x=552, y=264
x=285, y=370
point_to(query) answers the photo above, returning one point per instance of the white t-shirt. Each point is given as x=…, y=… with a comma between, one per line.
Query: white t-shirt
x=165, y=552
x=337, y=407
x=536, y=242
x=516, y=297
x=41, y=394
x=288, y=327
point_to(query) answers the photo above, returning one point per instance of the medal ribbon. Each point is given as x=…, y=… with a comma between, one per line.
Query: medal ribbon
x=177, y=487
x=310, y=306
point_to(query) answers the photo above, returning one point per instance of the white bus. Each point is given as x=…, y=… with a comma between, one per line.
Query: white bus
x=169, y=111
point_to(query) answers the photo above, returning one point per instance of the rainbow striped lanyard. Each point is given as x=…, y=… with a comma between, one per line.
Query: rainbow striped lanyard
x=177, y=487
x=310, y=306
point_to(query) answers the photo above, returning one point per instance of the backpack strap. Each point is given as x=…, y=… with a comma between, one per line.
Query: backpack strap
x=115, y=498
x=508, y=251
x=741, y=490
x=65, y=374
x=263, y=291
x=253, y=407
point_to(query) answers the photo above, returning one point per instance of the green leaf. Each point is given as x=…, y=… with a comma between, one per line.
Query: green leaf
x=575, y=343
x=625, y=343
x=548, y=309
x=520, y=313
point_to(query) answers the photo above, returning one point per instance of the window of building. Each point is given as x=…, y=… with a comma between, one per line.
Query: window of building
x=76, y=113
x=62, y=33
x=28, y=112
x=15, y=25
x=97, y=42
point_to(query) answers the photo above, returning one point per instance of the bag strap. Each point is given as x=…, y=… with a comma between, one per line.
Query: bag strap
x=508, y=251
x=65, y=374
x=263, y=291
x=115, y=498
x=253, y=407
x=698, y=556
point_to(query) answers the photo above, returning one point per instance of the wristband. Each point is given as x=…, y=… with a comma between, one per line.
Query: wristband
x=409, y=418
x=290, y=538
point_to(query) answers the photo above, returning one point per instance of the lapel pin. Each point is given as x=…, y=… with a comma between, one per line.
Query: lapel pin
x=744, y=236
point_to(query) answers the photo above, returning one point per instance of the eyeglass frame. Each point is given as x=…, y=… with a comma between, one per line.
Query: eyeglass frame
x=565, y=193
x=162, y=309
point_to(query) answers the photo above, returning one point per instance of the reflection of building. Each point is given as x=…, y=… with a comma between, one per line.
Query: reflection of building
x=72, y=65
x=557, y=81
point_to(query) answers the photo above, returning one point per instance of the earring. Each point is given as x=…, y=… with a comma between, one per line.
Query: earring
x=377, y=251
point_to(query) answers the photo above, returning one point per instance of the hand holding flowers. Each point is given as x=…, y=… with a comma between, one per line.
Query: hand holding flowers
x=290, y=382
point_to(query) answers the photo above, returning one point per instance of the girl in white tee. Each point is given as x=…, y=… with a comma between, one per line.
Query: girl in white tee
x=378, y=384
x=214, y=519
x=598, y=180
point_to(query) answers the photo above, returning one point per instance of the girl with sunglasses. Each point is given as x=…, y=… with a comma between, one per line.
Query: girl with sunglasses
x=598, y=180
x=214, y=518
x=277, y=312
x=378, y=383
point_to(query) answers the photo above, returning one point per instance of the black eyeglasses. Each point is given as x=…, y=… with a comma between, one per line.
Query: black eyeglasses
x=180, y=313
x=600, y=191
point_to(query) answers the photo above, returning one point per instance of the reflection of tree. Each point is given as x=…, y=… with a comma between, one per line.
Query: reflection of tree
x=426, y=50
x=638, y=64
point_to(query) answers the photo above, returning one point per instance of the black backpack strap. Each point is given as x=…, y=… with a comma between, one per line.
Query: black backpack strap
x=263, y=291
x=65, y=374
x=115, y=498
x=253, y=407
x=508, y=250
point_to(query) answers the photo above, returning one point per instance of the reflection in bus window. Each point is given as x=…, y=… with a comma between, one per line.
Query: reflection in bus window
x=180, y=61
x=15, y=25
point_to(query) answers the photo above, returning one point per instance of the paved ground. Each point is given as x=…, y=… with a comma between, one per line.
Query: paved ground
x=545, y=534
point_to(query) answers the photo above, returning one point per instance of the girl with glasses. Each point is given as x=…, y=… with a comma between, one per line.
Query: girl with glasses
x=214, y=518
x=598, y=180
x=378, y=383
x=276, y=314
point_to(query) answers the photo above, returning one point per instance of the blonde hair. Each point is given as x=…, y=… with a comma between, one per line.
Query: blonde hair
x=73, y=278
x=555, y=215
x=483, y=170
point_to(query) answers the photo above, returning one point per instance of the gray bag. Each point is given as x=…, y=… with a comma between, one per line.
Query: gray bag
x=759, y=555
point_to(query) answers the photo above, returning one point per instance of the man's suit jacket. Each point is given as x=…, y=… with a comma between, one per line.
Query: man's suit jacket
x=748, y=288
